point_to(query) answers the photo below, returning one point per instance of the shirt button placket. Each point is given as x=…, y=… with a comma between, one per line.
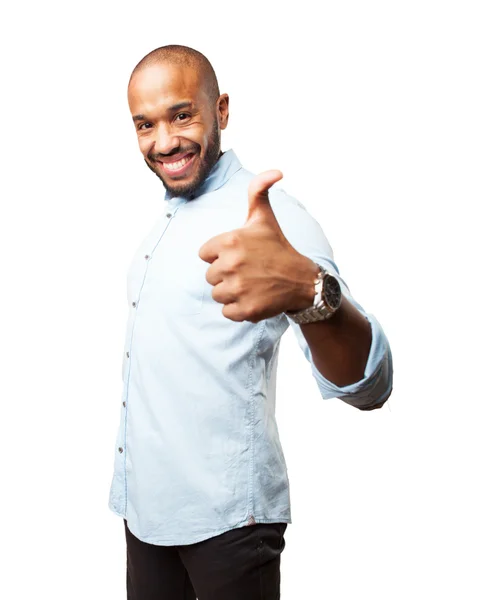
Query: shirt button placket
x=134, y=304
x=127, y=356
x=147, y=256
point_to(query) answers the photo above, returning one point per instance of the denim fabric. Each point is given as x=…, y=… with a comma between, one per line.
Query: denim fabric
x=197, y=451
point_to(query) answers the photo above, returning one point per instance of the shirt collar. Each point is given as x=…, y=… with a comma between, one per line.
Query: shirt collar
x=226, y=166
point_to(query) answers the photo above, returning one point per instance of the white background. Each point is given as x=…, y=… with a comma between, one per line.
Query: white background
x=370, y=109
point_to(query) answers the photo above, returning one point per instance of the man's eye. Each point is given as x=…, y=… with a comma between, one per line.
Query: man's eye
x=144, y=125
x=183, y=116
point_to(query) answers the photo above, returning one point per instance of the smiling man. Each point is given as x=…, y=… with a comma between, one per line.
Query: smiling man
x=199, y=478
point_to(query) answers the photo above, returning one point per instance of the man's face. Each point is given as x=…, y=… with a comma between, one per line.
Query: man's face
x=178, y=127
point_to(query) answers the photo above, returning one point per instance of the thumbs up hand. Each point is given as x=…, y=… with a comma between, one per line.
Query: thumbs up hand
x=255, y=271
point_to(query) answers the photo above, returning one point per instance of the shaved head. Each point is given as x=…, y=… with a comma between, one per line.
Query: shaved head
x=183, y=56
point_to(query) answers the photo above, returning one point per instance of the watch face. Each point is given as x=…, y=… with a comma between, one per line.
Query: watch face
x=331, y=292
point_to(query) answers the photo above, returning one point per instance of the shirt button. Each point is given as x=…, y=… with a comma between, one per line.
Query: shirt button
x=127, y=355
x=120, y=450
x=124, y=403
x=133, y=304
x=168, y=215
x=147, y=256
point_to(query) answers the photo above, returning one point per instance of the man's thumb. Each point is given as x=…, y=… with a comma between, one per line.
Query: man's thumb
x=259, y=206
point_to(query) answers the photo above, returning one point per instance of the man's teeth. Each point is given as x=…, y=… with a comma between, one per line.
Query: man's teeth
x=176, y=165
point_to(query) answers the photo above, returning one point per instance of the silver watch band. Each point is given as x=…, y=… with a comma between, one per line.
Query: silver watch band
x=319, y=311
x=311, y=314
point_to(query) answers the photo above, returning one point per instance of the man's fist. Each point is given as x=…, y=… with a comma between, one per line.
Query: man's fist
x=255, y=271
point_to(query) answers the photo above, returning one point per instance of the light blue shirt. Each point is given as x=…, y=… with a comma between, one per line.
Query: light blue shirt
x=197, y=451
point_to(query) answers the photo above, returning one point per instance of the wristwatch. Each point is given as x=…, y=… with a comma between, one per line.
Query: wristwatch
x=326, y=301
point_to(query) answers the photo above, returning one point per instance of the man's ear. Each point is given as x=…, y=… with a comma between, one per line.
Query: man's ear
x=222, y=110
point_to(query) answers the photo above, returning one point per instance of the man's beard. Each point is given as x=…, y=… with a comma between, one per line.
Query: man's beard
x=207, y=163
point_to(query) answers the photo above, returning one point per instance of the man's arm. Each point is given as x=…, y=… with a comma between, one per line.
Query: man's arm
x=340, y=346
x=268, y=268
x=340, y=350
x=349, y=353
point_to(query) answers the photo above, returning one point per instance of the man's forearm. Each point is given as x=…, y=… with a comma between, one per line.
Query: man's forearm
x=340, y=345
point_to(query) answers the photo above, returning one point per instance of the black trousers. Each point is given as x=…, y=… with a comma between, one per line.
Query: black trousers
x=241, y=564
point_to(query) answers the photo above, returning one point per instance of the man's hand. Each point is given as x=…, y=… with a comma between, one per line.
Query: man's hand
x=255, y=271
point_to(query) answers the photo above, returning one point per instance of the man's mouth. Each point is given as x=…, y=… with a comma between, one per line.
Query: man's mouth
x=177, y=167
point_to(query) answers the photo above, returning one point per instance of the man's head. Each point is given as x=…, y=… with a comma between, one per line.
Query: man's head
x=178, y=113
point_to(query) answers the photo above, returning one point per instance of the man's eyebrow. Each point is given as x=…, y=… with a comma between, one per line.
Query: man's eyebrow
x=173, y=108
x=180, y=105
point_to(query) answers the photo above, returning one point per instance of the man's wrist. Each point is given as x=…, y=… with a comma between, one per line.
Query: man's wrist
x=306, y=291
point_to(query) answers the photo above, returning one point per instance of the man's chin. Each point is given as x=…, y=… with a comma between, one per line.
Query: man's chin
x=181, y=189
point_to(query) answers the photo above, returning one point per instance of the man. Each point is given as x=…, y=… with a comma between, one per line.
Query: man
x=200, y=477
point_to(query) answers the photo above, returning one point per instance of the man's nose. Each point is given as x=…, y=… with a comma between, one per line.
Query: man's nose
x=166, y=139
